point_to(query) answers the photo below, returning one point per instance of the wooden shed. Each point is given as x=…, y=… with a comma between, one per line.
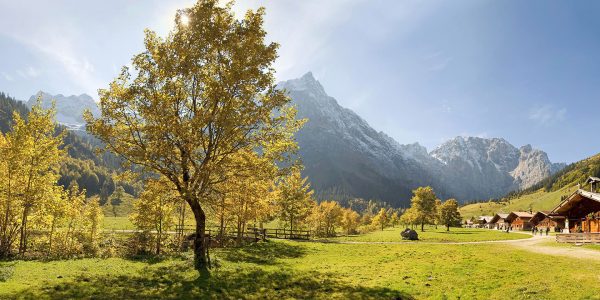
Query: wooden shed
x=499, y=222
x=544, y=219
x=519, y=220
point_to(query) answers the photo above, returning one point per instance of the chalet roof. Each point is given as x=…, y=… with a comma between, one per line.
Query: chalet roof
x=498, y=217
x=518, y=214
x=578, y=204
x=486, y=219
x=592, y=179
x=522, y=214
x=541, y=215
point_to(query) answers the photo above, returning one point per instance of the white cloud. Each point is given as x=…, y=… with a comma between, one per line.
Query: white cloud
x=7, y=76
x=437, y=61
x=29, y=72
x=54, y=41
x=547, y=114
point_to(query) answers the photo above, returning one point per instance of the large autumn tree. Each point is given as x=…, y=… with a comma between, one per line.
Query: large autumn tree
x=423, y=207
x=195, y=100
x=449, y=214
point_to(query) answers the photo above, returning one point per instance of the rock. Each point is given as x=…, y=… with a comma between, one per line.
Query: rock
x=409, y=234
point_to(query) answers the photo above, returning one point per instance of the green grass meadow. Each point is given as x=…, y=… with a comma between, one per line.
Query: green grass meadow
x=431, y=234
x=287, y=269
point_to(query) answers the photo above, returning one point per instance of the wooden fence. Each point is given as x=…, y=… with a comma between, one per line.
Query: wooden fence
x=579, y=238
x=252, y=232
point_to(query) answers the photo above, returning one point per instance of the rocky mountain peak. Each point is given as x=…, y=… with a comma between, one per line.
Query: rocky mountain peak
x=69, y=109
x=342, y=152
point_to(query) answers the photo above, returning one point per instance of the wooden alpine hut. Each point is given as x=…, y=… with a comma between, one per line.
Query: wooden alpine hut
x=582, y=209
x=519, y=220
x=499, y=222
x=544, y=219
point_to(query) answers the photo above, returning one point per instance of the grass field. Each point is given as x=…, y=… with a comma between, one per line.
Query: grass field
x=539, y=200
x=282, y=269
x=568, y=245
x=436, y=235
x=117, y=223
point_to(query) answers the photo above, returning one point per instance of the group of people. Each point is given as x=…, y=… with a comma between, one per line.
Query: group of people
x=535, y=230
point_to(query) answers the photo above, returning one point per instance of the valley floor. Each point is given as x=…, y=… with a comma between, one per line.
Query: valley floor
x=372, y=269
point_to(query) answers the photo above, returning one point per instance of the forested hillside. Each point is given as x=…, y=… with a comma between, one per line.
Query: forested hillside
x=544, y=195
x=92, y=171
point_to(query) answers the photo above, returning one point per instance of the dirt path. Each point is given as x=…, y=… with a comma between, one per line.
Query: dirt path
x=533, y=244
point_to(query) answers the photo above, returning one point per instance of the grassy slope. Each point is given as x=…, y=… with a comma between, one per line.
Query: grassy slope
x=539, y=200
x=436, y=235
x=279, y=270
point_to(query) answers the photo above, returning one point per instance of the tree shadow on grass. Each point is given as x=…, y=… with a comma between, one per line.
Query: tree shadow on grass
x=175, y=281
x=263, y=253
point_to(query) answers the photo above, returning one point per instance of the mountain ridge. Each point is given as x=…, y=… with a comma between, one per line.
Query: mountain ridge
x=367, y=159
x=69, y=109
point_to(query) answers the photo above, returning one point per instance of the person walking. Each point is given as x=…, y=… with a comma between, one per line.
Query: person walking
x=547, y=230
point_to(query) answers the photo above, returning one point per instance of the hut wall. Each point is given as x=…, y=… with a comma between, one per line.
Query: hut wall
x=521, y=224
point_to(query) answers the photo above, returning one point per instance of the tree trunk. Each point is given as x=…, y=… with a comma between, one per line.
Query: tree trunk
x=200, y=246
x=23, y=240
x=422, y=226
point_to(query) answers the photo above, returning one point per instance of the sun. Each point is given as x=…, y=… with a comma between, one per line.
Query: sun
x=185, y=20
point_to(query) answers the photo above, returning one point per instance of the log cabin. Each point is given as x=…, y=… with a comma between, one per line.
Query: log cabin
x=484, y=222
x=519, y=220
x=543, y=219
x=499, y=222
x=581, y=209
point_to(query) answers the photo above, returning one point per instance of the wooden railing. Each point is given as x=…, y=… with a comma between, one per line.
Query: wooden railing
x=579, y=238
x=287, y=234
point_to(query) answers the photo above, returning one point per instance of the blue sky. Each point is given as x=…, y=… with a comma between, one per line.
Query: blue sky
x=421, y=71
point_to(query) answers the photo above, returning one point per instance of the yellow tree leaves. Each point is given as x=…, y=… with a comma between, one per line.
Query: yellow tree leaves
x=195, y=99
x=449, y=214
x=295, y=199
x=29, y=195
x=381, y=219
x=325, y=218
x=154, y=210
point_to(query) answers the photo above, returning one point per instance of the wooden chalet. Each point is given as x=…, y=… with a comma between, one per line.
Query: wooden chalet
x=544, y=219
x=582, y=209
x=519, y=220
x=484, y=222
x=499, y=222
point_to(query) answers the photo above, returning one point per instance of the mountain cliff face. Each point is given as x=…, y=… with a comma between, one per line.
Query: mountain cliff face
x=478, y=168
x=343, y=155
x=69, y=110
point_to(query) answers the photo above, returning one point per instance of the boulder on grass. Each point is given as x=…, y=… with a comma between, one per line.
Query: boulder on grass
x=409, y=234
